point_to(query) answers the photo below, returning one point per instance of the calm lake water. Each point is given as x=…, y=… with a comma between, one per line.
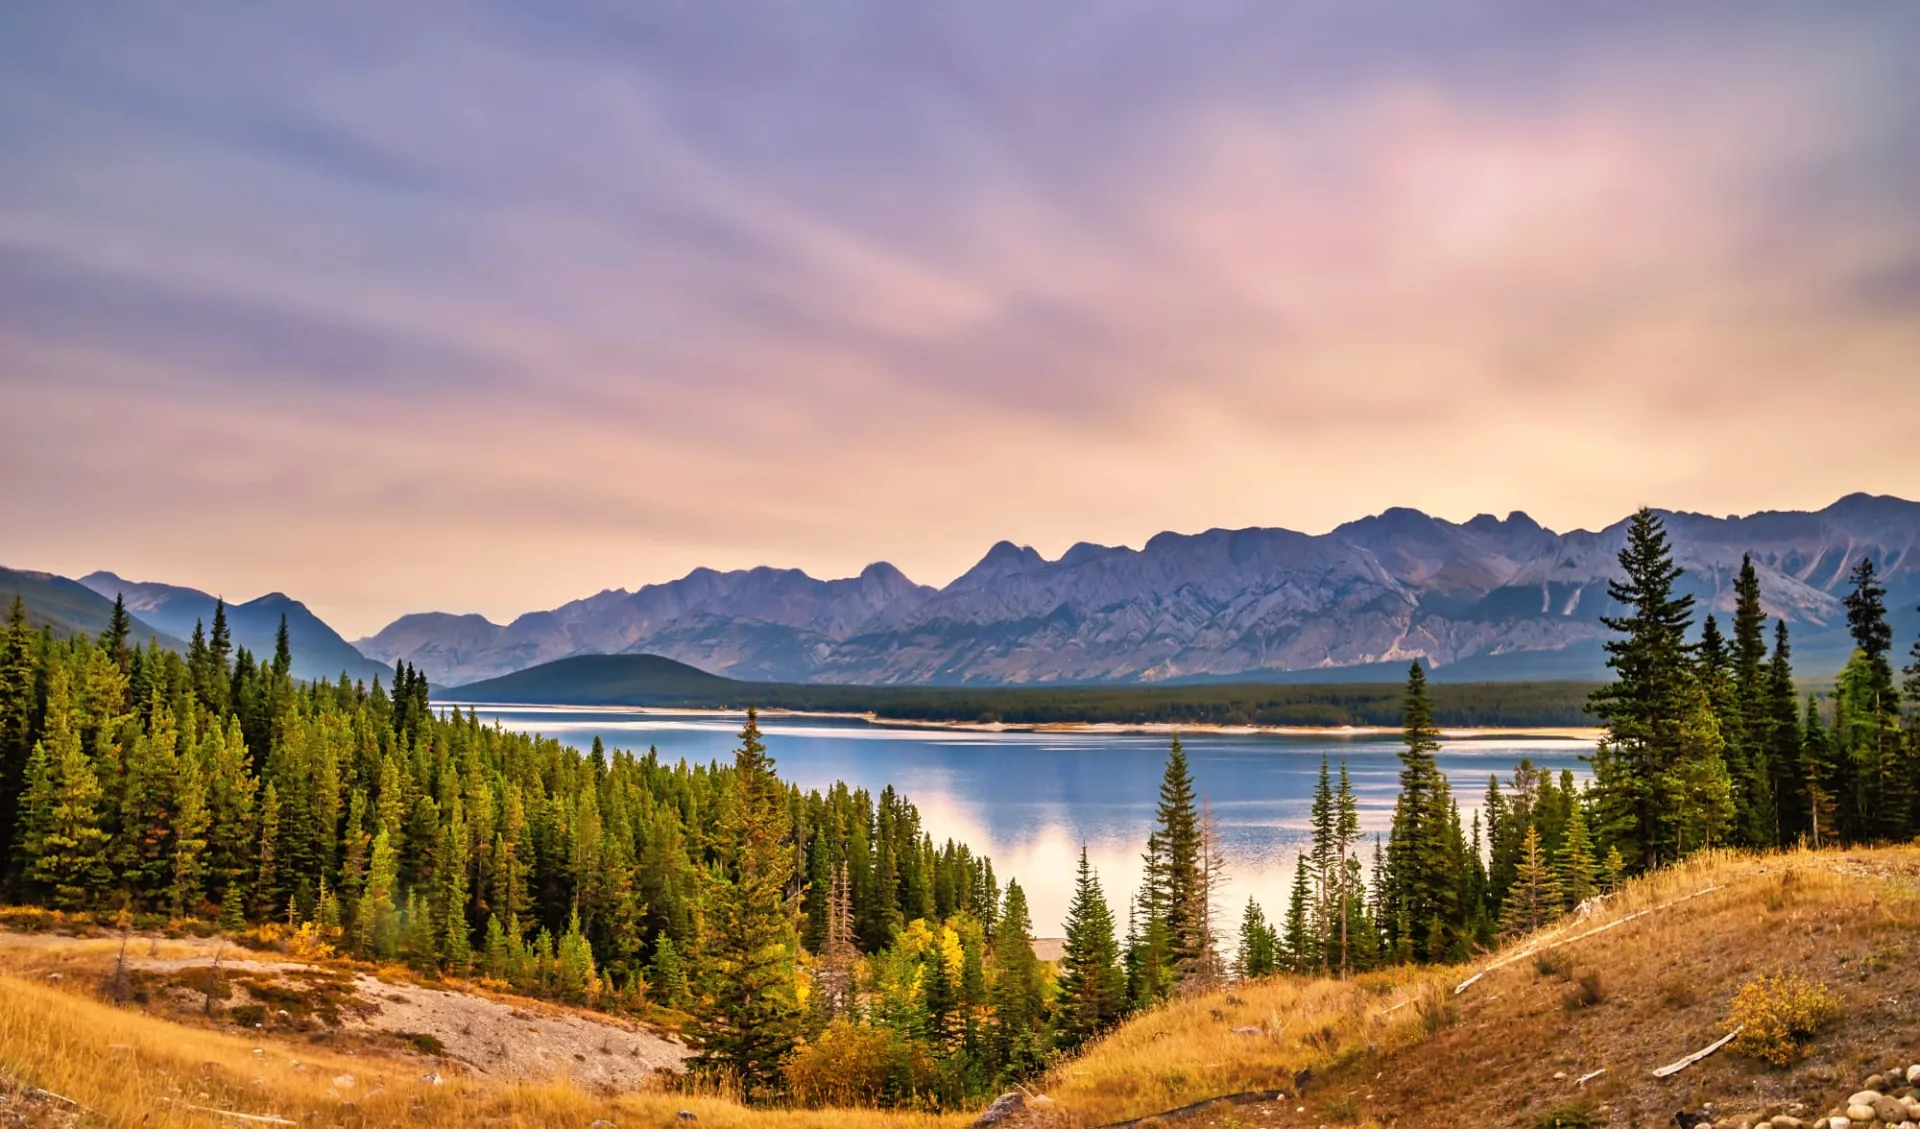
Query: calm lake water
x=1029, y=800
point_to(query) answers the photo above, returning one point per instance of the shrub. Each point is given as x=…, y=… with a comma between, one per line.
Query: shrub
x=423, y=1042
x=1553, y=964
x=1574, y=1115
x=1437, y=1010
x=854, y=1065
x=1588, y=991
x=1779, y=1015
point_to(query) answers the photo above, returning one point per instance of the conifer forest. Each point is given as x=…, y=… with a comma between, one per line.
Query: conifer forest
x=820, y=947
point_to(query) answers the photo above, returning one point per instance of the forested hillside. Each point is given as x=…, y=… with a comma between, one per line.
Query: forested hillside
x=649, y=680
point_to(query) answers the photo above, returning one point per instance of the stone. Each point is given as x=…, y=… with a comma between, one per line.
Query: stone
x=600, y=1123
x=686, y=1115
x=1889, y=1110
x=1913, y=1074
x=1254, y=1031
x=343, y=1081
x=1859, y=1113
x=1003, y=1107
x=1787, y=1121
x=1865, y=1097
x=1839, y=1123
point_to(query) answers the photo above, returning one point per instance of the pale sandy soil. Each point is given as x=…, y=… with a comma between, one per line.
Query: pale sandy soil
x=510, y=1038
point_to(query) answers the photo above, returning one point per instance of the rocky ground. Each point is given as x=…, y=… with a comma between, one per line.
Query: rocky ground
x=509, y=1038
x=518, y=1041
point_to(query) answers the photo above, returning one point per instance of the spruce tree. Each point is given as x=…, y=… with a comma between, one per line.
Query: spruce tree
x=1346, y=833
x=189, y=841
x=1092, y=986
x=1421, y=847
x=1786, y=759
x=62, y=847
x=669, y=977
x=1016, y=1035
x=1173, y=858
x=1303, y=944
x=113, y=639
x=1575, y=868
x=16, y=713
x=1649, y=710
x=751, y=940
x=1884, y=802
x=1535, y=898
x=1257, y=948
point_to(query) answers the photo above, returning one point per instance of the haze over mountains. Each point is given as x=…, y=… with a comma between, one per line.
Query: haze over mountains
x=318, y=650
x=1488, y=598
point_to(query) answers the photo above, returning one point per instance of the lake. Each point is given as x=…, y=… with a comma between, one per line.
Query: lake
x=1029, y=800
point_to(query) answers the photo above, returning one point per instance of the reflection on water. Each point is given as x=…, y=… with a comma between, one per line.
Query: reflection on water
x=1030, y=800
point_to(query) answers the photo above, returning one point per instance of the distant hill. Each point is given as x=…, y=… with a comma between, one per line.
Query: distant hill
x=318, y=650
x=650, y=680
x=1483, y=600
x=70, y=607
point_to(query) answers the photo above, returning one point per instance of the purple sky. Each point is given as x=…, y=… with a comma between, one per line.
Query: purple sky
x=486, y=307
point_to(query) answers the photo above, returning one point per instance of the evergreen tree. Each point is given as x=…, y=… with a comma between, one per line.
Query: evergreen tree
x=1575, y=868
x=113, y=640
x=266, y=871
x=62, y=847
x=1019, y=1017
x=1786, y=758
x=1258, y=956
x=1651, y=708
x=1535, y=898
x=1421, y=846
x=667, y=974
x=190, y=821
x=1092, y=985
x=282, y=650
x=1883, y=803
x=1173, y=859
x=16, y=712
x=1752, y=737
x=1346, y=833
x=1303, y=947
x=752, y=939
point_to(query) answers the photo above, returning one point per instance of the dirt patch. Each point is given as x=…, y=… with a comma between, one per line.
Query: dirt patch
x=521, y=1043
x=514, y=1040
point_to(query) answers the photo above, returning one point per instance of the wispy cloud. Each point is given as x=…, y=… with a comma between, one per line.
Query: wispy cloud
x=483, y=307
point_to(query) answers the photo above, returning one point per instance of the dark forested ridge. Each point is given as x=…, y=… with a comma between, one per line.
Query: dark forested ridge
x=650, y=680
x=70, y=607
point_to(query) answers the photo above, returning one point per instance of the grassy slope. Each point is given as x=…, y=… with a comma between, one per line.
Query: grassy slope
x=1485, y=1057
x=649, y=680
x=1488, y=1056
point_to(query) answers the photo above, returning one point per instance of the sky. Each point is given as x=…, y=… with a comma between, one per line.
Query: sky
x=485, y=307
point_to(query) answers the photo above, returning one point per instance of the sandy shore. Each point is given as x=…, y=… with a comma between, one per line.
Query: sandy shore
x=1587, y=734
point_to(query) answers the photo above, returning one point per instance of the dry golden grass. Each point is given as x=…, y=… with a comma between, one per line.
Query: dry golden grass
x=126, y=1067
x=1396, y=1047
x=1490, y=1055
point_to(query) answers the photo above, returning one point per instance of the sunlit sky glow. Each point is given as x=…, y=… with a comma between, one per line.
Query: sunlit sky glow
x=487, y=307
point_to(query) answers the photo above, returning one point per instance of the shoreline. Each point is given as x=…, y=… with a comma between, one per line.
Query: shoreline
x=1110, y=728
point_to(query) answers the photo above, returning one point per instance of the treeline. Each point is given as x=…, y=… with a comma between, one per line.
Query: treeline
x=648, y=680
x=212, y=785
x=1707, y=743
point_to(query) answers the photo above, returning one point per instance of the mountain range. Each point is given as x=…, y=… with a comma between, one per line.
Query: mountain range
x=1489, y=599
x=1486, y=599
